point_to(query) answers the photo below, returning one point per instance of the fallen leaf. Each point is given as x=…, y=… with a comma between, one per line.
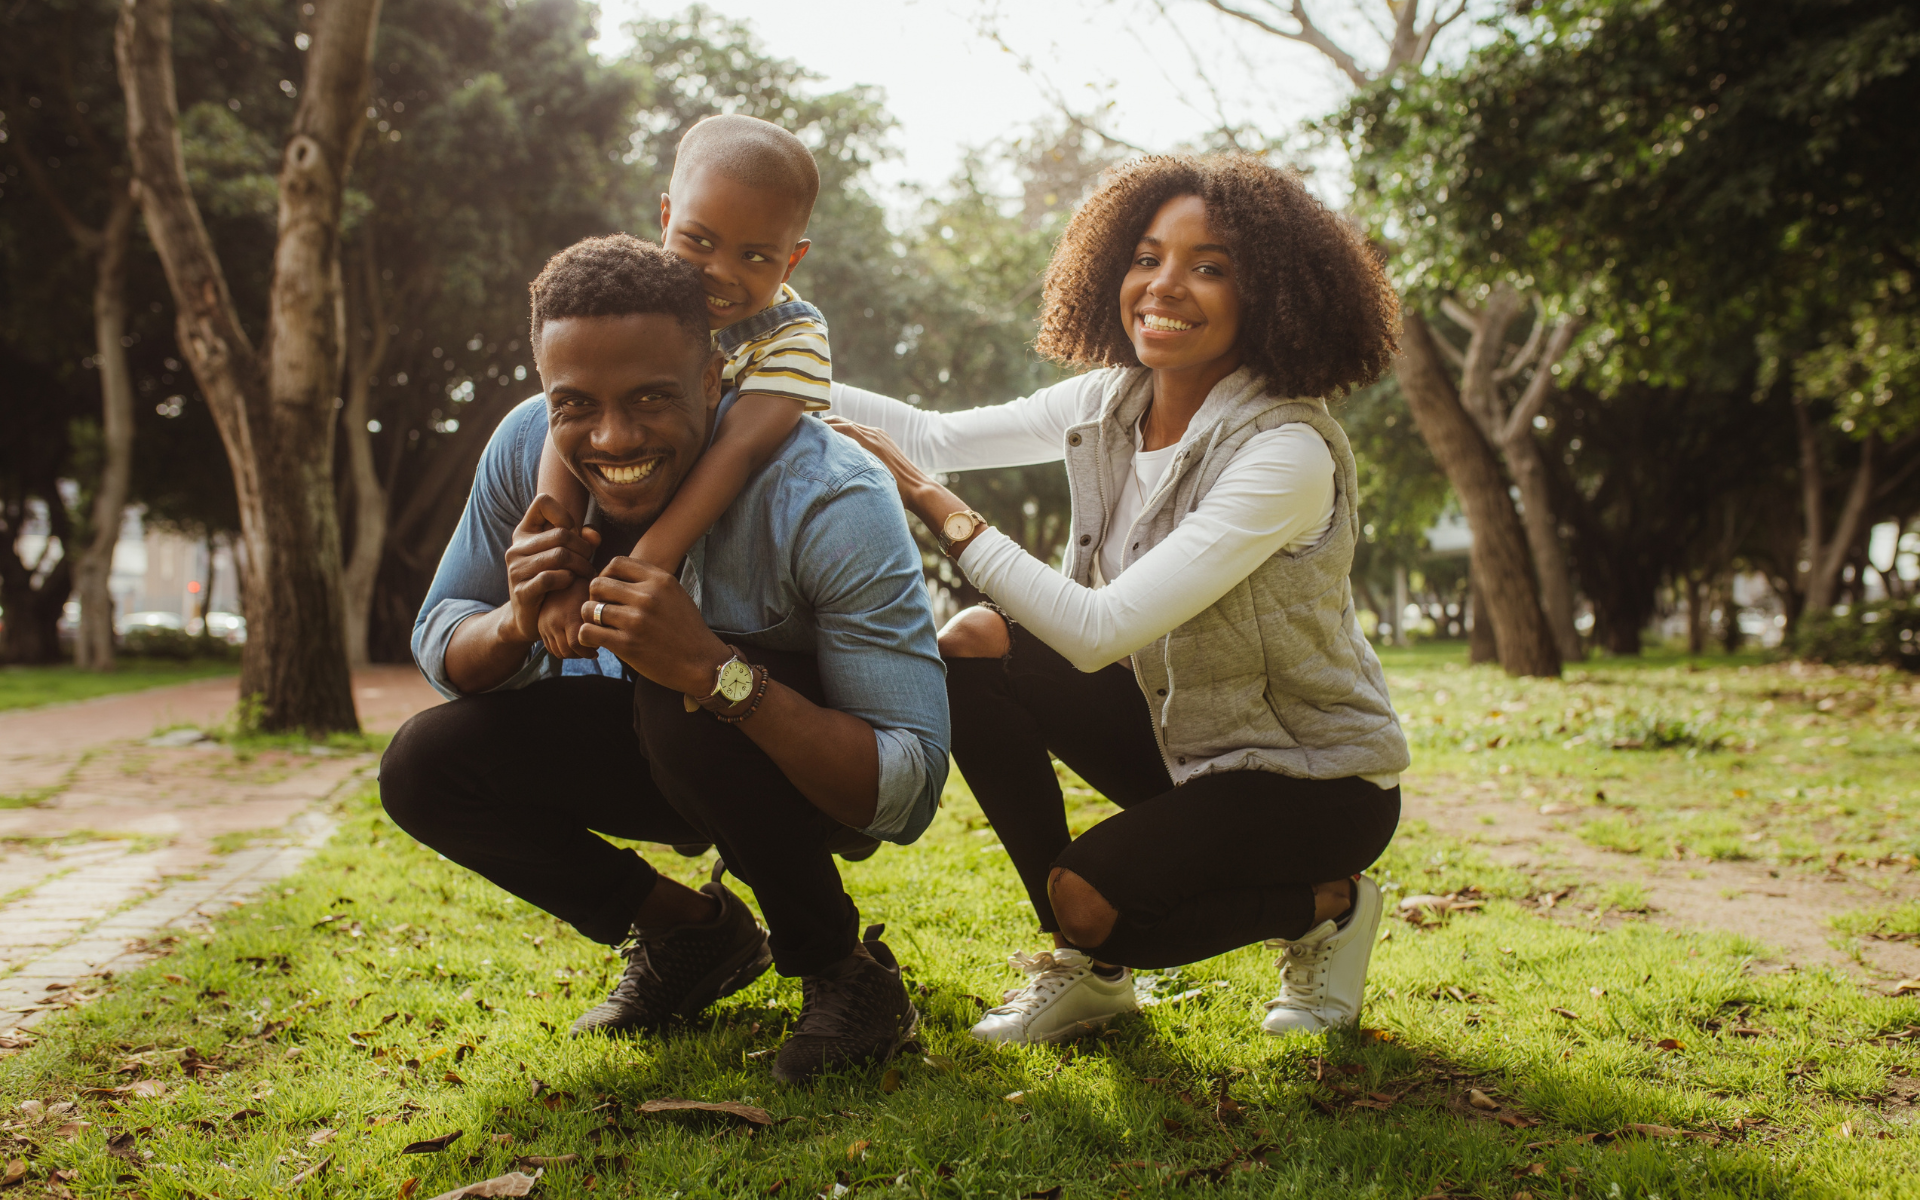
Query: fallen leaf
x=409, y=1187
x=731, y=1108
x=503, y=1139
x=1744, y=1031
x=1906, y=985
x=890, y=1082
x=120, y=1145
x=1015, y=1097
x=1481, y=1100
x=170, y=977
x=1512, y=1121
x=1669, y=1044
x=1052, y=1193
x=513, y=1183
x=322, y=1137
x=554, y=1101
x=1568, y=1013
x=72, y=1129
x=1653, y=1130
x=859, y=1147
x=1172, y=1125
x=455, y=1080
x=434, y=1145
x=310, y=1172
x=16, y=1171
x=547, y=1160
x=1228, y=1111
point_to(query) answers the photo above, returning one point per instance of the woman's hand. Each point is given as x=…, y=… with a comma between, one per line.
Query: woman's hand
x=919, y=491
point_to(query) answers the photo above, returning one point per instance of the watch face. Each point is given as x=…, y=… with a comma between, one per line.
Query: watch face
x=957, y=526
x=736, y=681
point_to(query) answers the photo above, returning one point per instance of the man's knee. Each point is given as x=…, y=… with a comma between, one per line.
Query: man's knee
x=975, y=633
x=415, y=760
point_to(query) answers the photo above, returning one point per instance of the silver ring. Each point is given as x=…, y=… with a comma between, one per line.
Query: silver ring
x=598, y=608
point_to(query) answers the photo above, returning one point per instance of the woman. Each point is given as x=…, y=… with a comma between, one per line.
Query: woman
x=1198, y=661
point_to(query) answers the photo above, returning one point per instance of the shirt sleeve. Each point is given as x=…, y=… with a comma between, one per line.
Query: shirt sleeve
x=1276, y=495
x=858, y=567
x=472, y=576
x=794, y=361
x=1032, y=429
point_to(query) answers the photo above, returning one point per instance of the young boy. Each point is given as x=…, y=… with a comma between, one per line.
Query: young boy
x=737, y=206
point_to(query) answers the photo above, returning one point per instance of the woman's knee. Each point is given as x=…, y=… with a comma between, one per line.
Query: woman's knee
x=1086, y=919
x=975, y=633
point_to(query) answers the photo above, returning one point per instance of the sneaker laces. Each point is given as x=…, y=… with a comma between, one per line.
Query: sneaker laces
x=1048, y=973
x=1303, y=972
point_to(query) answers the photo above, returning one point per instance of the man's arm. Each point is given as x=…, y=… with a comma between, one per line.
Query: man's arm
x=547, y=555
x=654, y=627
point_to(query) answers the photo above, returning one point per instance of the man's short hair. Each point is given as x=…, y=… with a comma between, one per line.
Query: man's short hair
x=753, y=152
x=619, y=276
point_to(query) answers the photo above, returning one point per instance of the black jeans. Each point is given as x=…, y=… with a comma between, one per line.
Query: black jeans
x=1220, y=862
x=513, y=785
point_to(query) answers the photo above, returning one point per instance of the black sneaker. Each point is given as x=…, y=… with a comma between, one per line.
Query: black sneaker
x=677, y=972
x=856, y=1013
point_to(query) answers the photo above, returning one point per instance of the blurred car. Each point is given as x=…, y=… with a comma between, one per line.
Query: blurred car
x=230, y=628
x=148, y=621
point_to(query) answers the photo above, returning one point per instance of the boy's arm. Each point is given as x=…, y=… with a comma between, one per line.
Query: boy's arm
x=749, y=434
x=559, y=619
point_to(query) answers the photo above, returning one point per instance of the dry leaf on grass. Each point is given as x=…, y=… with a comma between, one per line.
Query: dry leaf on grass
x=1481, y=1100
x=1905, y=986
x=434, y=1145
x=513, y=1183
x=890, y=1082
x=15, y=1172
x=731, y=1108
x=858, y=1148
x=321, y=1137
x=1669, y=1044
x=1663, y=1131
x=1511, y=1121
x=408, y=1188
x=310, y=1172
x=547, y=1160
x=1568, y=1013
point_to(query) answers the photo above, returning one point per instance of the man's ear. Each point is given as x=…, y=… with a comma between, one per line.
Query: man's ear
x=666, y=215
x=710, y=380
x=800, y=249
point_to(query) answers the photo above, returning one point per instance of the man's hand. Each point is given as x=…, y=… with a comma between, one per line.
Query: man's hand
x=560, y=620
x=652, y=625
x=547, y=555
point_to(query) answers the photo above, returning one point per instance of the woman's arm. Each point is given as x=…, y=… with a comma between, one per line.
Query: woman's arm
x=1032, y=429
x=1276, y=494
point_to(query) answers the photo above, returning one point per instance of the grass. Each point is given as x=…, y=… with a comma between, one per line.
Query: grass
x=432, y=1002
x=34, y=687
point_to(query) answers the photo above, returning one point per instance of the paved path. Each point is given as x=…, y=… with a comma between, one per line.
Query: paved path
x=126, y=838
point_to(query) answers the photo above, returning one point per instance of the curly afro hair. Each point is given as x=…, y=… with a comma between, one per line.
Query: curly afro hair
x=1318, y=317
x=619, y=276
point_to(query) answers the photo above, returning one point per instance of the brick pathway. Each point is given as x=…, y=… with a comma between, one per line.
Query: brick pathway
x=131, y=836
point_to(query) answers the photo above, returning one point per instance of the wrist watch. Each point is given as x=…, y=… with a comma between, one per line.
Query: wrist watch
x=732, y=682
x=957, y=528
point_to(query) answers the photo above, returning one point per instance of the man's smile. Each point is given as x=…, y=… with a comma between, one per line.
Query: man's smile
x=624, y=474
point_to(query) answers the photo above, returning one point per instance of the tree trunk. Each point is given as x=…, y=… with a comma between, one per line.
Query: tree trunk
x=93, y=570
x=1481, y=647
x=1529, y=471
x=1826, y=555
x=1696, y=616
x=364, y=358
x=1501, y=565
x=275, y=407
x=33, y=593
x=1400, y=603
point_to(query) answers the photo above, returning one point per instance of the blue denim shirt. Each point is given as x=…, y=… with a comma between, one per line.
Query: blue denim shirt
x=813, y=556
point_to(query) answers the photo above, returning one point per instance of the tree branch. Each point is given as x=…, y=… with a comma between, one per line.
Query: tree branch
x=1541, y=385
x=1308, y=33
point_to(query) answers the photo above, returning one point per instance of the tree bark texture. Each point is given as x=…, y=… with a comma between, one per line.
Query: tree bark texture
x=1826, y=554
x=365, y=354
x=33, y=593
x=1501, y=564
x=275, y=406
x=93, y=570
x=1481, y=647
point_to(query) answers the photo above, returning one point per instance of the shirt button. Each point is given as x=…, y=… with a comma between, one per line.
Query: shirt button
x=1163, y=692
x=1086, y=539
x=1073, y=439
x=1183, y=760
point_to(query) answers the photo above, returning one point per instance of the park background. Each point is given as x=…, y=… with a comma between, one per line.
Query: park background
x=1640, y=540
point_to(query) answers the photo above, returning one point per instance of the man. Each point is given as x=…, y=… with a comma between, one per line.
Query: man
x=786, y=686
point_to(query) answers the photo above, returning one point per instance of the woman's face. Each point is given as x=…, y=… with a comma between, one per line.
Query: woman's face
x=1178, y=298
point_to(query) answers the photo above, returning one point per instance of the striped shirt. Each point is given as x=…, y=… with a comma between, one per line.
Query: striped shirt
x=791, y=359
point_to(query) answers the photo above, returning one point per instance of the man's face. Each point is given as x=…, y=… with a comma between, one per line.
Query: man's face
x=629, y=404
x=746, y=241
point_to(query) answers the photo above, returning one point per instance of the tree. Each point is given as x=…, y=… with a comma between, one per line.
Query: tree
x=49, y=61
x=274, y=404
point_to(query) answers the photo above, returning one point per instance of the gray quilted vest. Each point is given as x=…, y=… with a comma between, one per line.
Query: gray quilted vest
x=1275, y=676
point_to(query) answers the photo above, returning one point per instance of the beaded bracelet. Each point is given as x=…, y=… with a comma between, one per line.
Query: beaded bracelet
x=761, y=679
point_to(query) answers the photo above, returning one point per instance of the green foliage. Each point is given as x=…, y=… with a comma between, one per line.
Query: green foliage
x=33, y=687
x=1885, y=631
x=148, y=641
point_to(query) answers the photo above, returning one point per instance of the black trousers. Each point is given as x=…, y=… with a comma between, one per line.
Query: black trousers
x=1220, y=862
x=514, y=785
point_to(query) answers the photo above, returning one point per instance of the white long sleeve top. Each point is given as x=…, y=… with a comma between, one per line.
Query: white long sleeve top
x=1275, y=495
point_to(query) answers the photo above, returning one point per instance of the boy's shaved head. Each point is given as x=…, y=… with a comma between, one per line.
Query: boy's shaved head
x=756, y=153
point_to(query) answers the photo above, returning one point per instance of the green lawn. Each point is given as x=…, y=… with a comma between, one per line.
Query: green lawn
x=32, y=687
x=431, y=1003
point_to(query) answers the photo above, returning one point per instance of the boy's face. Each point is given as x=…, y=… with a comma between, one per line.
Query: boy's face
x=746, y=241
x=629, y=402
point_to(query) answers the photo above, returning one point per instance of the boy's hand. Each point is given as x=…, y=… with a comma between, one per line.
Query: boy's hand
x=560, y=621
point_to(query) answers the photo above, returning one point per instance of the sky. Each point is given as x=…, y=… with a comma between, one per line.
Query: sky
x=966, y=73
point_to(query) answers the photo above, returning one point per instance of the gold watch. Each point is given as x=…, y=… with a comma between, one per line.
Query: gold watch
x=957, y=528
x=732, y=682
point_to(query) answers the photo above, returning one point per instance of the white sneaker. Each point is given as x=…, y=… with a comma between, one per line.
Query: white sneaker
x=1324, y=974
x=1063, y=999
